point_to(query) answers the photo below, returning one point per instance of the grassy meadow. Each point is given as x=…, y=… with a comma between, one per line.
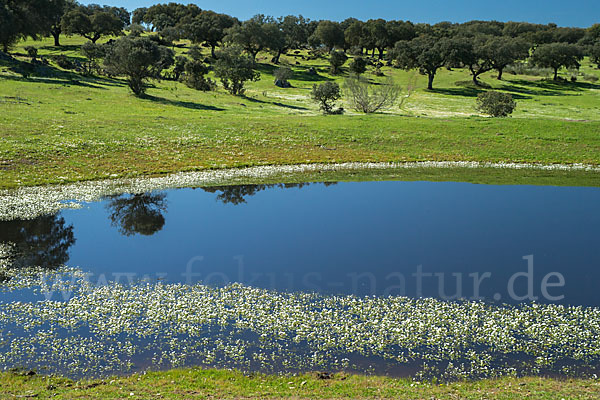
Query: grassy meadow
x=60, y=127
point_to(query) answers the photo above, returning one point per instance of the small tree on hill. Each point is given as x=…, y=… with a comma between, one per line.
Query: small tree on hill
x=234, y=70
x=336, y=60
x=136, y=59
x=93, y=52
x=358, y=66
x=557, y=55
x=426, y=53
x=595, y=54
x=282, y=76
x=496, y=104
x=179, y=67
x=195, y=78
x=326, y=94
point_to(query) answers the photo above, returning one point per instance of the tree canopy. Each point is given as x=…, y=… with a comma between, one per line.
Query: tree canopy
x=557, y=55
x=92, y=22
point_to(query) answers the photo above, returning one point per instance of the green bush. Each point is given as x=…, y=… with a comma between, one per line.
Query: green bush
x=234, y=69
x=336, y=60
x=195, y=72
x=496, y=104
x=358, y=66
x=326, y=95
x=32, y=52
x=62, y=61
x=92, y=52
x=282, y=76
x=138, y=59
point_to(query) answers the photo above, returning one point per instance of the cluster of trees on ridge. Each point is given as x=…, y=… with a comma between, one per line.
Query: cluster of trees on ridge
x=479, y=46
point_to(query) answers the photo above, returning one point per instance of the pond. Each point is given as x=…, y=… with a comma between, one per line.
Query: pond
x=393, y=277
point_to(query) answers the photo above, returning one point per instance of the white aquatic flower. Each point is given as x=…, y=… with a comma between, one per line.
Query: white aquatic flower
x=245, y=327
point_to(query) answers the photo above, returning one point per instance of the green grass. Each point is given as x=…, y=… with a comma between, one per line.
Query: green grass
x=202, y=384
x=66, y=127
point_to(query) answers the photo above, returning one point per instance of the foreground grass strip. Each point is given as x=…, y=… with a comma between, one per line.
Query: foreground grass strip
x=201, y=384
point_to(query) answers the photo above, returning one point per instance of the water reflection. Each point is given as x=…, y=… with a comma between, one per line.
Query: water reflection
x=138, y=213
x=237, y=194
x=41, y=242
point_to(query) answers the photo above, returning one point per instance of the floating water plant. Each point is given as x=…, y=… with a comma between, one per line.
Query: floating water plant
x=111, y=328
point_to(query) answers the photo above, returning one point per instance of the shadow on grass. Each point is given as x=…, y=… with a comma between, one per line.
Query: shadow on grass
x=300, y=73
x=289, y=106
x=458, y=91
x=49, y=74
x=266, y=68
x=560, y=87
x=178, y=103
x=253, y=100
x=470, y=90
x=275, y=103
x=53, y=81
x=62, y=48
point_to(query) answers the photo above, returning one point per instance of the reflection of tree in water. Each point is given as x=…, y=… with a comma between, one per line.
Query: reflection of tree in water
x=40, y=242
x=237, y=194
x=138, y=213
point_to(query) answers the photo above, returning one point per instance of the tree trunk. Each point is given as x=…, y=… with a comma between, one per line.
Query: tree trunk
x=430, y=81
x=380, y=52
x=56, y=36
x=555, y=74
x=500, y=73
x=5, y=48
x=276, y=60
x=212, y=51
x=475, y=81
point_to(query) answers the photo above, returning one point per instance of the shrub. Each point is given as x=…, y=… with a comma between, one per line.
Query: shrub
x=234, y=69
x=358, y=66
x=371, y=98
x=135, y=30
x=195, y=52
x=326, y=94
x=496, y=104
x=356, y=51
x=93, y=52
x=62, y=61
x=523, y=68
x=179, y=68
x=32, y=52
x=336, y=60
x=282, y=76
x=136, y=58
x=195, y=72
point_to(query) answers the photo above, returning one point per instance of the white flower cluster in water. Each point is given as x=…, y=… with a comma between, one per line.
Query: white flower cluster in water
x=30, y=202
x=114, y=327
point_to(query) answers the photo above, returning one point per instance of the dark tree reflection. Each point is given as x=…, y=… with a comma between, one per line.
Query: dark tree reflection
x=40, y=242
x=238, y=194
x=138, y=213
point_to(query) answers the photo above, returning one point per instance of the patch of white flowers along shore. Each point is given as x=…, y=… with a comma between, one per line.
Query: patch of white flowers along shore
x=105, y=329
x=30, y=202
